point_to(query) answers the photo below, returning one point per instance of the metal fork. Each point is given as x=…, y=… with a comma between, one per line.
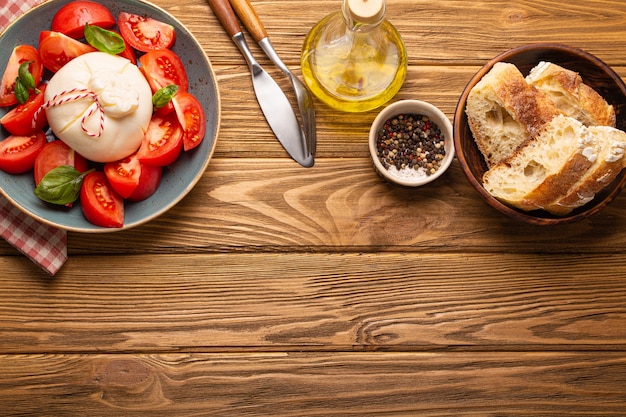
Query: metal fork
x=252, y=22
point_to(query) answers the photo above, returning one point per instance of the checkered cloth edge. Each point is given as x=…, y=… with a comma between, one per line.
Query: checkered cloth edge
x=43, y=244
x=12, y=9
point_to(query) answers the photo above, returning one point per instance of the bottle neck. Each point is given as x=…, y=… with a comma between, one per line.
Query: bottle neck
x=363, y=15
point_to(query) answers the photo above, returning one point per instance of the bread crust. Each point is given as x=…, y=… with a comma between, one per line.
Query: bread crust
x=557, y=185
x=543, y=170
x=504, y=111
x=573, y=98
x=604, y=170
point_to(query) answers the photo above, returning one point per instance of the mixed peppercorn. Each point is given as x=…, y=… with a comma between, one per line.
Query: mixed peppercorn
x=411, y=141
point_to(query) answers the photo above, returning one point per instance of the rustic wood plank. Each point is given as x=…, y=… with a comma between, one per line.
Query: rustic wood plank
x=329, y=302
x=342, y=205
x=338, y=384
x=455, y=32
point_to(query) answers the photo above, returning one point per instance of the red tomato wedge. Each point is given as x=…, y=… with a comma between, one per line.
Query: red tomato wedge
x=19, y=121
x=149, y=182
x=57, y=49
x=144, y=33
x=162, y=68
x=192, y=119
x=128, y=52
x=55, y=154
x=133, y=180
x=71, y=18
x=101, y=205
x=163, y=141
x=20, y=54
x=18, y=153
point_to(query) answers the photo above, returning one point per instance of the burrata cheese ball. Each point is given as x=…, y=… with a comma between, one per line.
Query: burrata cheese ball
x=100, y=105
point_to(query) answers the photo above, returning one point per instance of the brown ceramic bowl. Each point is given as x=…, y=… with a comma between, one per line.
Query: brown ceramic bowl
x=594, y=73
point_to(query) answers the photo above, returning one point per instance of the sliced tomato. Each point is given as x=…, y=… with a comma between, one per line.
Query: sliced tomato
x=101, y=205
x=20, y=54
x=133, y=180
x=162, y=68
x=149, y=182
x=163, y=141
x=192, y=119
x=57, y=49
x=71, y=18
x=19, y=121
x=55, y=154
x=144, y=33
x=128, y=53
x=18, y=153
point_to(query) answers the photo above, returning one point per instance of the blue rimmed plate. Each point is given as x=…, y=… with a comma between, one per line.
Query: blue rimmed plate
x=178, y=179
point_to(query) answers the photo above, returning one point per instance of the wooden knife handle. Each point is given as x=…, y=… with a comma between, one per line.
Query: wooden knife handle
x=249, y=18
x=226, y=16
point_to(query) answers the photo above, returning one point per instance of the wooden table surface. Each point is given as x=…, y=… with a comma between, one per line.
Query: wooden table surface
x=273, y=289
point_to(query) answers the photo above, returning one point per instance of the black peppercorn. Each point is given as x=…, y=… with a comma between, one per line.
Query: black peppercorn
x=411, y=142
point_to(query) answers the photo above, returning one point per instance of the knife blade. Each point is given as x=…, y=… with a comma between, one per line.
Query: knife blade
x=252, y=22
x=273, y=102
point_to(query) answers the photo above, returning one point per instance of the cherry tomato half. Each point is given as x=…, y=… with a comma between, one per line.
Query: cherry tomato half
x=18, y=153
x=163, y=141
x=100, y=204
x=145, y=33
x=19, y=121
x=162, y=68
x=133, y=180
x=71, y=18
x=20, y=54
x=192, y=119
x=55, y=154
x=57, y=49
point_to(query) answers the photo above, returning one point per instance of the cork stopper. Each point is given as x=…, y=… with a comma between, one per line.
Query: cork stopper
x=366, y=11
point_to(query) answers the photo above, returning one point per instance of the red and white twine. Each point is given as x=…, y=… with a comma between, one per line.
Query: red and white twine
x=74, y=95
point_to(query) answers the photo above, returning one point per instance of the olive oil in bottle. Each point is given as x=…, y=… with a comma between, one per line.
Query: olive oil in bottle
x=354, y=60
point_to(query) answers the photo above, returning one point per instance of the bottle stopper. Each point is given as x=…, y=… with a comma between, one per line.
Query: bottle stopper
x=366, y=11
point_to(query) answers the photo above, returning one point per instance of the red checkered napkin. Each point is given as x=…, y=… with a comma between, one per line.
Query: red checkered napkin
x=12, y=9
x=45, y=245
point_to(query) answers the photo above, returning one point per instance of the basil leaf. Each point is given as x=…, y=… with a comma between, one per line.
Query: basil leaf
x=21, y=92
x=25, y=76
x=104, y=40
x=164, y=96
x=61, y=185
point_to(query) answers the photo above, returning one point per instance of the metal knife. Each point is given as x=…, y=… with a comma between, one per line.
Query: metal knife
x=252, y=22
x=273, y=102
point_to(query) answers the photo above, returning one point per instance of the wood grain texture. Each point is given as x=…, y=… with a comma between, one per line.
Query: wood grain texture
x=283, y=302
x=294, y=384
x=341, y=205
x=277, y=290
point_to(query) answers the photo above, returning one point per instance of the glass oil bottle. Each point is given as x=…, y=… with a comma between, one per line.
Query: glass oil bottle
x=354, y=60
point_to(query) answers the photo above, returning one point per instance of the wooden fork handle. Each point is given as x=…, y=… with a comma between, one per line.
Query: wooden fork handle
x=249, y=18
x=226, y=16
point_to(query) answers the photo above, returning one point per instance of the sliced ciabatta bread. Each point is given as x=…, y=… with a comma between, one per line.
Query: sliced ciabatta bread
x=605, y=168
x=574, y=98
x=503, y=111
x=544, y=169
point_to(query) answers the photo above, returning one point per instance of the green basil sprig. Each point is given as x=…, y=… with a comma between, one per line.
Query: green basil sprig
x=25, y=76
x=61, y=185
x=104, y=40
x=164, y=96
x=21, y=92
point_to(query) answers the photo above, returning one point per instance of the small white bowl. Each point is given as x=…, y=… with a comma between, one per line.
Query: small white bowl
x=408, y=176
